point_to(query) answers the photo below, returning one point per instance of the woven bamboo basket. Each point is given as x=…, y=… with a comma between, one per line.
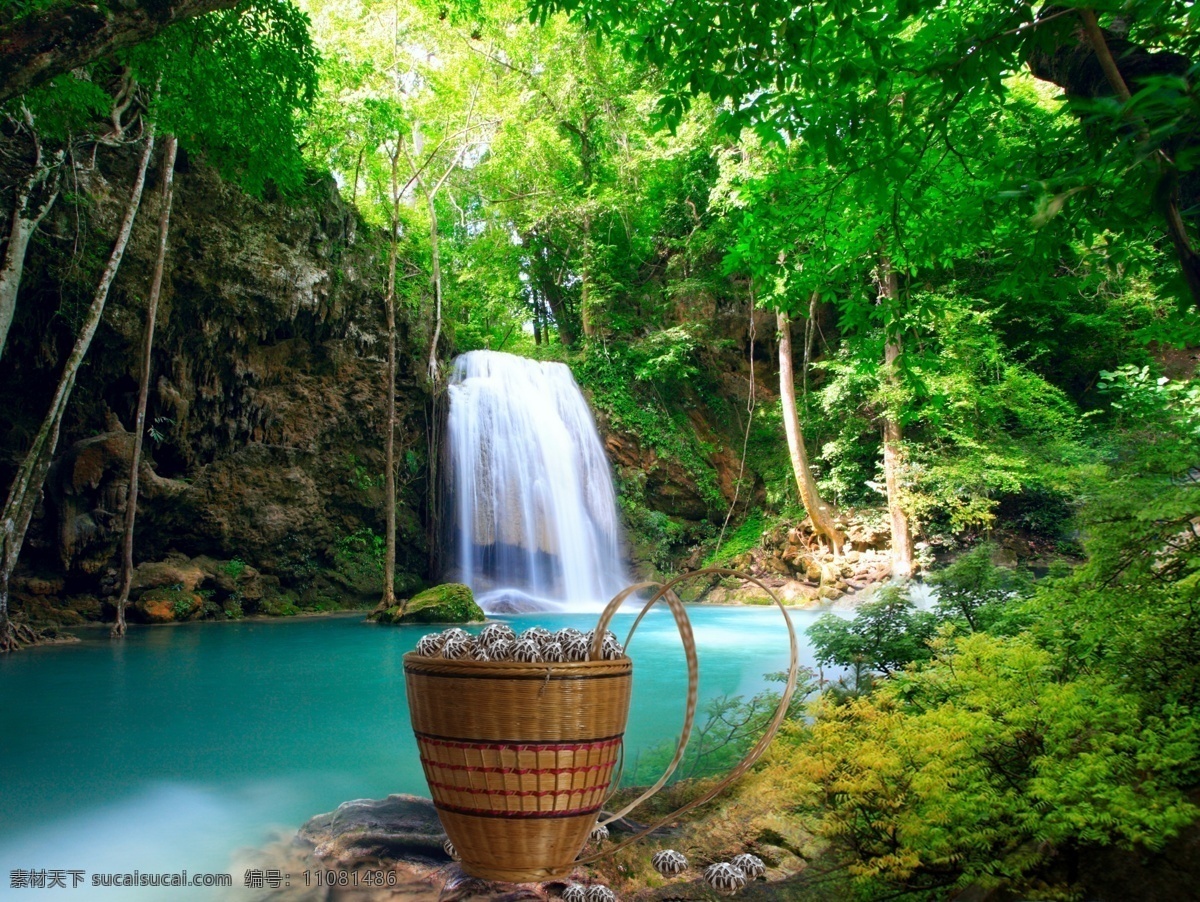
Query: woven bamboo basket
x=520, y=757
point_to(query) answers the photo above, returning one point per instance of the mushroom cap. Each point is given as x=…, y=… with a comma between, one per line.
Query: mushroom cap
x=501, y=649
x=567, y=632
x=598, y=892
x=494, y=632
x=538, y=634
x=611, y=649
x=669, y=862
x=750, y=865
x=527, y=650
x=575, y=648
x=459, y=648
x=430, y=646
x=724, y=876
x=575, y=892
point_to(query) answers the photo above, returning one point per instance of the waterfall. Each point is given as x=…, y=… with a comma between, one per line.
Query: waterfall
x=531, y=505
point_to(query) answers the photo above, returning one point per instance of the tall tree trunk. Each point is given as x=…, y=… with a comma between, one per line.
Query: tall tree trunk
x=435, y=257
x=34, y=198
x=139, y=429
x=893, y=440
x=27, y=486
x=820, y=512
x=389, y=444
x=555, y=306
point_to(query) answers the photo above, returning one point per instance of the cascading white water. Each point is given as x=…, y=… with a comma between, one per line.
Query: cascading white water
x=534, y=515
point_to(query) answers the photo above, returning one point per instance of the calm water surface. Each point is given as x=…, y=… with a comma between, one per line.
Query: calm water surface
x=178, y=746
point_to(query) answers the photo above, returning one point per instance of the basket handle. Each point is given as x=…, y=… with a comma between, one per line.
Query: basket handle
x=689, y=648
x=665, y=591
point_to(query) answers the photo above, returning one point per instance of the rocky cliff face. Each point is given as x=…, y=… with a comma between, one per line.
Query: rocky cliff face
x=266, y=416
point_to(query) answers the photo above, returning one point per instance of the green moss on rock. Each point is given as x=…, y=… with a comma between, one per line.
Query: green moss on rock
x=447, y=603
x=167, y=604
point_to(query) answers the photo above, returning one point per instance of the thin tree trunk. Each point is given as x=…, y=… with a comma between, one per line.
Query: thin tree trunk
x=437, y=290
x=893, y=444
x=585, y=289
x=139, y=429
x=27, y=486
x=820, y=512
x=389, y=445
x=28, y=213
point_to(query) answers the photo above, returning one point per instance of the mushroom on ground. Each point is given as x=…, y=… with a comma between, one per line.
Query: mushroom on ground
x=668, y=862
x=725, y=877
x=750, y=865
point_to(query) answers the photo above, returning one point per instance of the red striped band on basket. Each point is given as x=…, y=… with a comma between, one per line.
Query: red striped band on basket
x=584, y=745
x=514, y=771
x=516, y=815
x=450, y=763
x=518, y=793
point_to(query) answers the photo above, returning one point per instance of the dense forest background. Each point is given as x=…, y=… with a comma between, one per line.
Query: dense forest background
x=918, y=279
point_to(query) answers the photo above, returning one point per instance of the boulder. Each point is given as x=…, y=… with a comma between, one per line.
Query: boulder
x=398, y=828
x=167, y=605
x=447, y=603
x=176, y=570
x=775, y=565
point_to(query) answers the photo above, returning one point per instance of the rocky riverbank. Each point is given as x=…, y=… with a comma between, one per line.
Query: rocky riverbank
x=379, y=849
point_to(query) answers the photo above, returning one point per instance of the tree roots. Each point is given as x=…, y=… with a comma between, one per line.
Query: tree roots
x=15, y=636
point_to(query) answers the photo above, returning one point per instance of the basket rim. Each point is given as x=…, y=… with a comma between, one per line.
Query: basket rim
x=542, y=670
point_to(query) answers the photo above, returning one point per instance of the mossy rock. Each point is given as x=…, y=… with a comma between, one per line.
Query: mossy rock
x=168, y=604
x=447, y=603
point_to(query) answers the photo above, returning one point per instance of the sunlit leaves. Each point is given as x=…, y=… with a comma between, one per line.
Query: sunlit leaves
x=234, y=85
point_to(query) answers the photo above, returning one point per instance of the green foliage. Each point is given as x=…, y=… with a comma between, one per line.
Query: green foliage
x=1002, y=753
x=234, y=568
x=360, y=476
x=886, y=634
x=974, y=592
x=978, y=768
x=740, y=540
x=359, y=556
x=619, y=381
x=233, y=87
x=726, y=729
x=183, y=606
